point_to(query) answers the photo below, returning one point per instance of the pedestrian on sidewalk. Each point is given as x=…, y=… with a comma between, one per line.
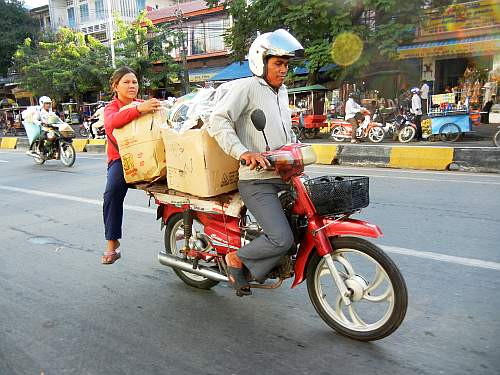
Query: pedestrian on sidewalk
x=416, y=110
x=424, y=95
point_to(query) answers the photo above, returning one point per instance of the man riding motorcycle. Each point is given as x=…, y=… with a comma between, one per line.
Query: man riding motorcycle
x=231, y=126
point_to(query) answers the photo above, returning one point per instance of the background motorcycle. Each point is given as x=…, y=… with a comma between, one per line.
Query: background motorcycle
x=402, y=128
x=354, y=286
x=54, y=143
x=85, y=128
x=342, y=130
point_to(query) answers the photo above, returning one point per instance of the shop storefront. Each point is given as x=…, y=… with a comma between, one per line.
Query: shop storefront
x=459, y=47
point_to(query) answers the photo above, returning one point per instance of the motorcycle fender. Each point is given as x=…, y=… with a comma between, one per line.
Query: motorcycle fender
x=332, y=228
x=166, y=211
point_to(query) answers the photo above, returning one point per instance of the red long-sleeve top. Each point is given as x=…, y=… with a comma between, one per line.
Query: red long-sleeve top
x=113, y=119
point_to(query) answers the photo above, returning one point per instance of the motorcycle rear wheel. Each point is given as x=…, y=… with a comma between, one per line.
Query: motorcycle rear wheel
x=68, y=154
x=379, y=300
x=39, y=158
x=406, y=134
x=174, y=242
x=83, y=131
x=496, y=139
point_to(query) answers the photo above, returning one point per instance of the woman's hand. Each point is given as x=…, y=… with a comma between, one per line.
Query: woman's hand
x=149, y=106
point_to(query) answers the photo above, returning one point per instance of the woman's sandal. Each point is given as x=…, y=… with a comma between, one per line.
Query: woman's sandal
x=110, y=257
x=238, y=280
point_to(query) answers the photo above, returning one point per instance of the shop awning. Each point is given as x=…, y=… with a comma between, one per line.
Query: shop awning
x=477, y=45
x=233, y=71
x=201, y=74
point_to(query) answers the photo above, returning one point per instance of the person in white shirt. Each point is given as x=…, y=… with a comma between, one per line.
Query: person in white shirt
x=424, y=95
x=416, y=109
x=45, y=109
x=351, y=109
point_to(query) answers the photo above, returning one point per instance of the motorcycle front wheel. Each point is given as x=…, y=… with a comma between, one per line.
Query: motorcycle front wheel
x=406, y=134
x=38, y=156
x=83, y=131
x=68, y=154
x=376, y=134
x=378, y=297
x=174, y=243
x=338, y=134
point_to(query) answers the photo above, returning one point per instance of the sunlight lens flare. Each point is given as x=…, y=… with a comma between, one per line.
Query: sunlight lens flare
x=346, y=49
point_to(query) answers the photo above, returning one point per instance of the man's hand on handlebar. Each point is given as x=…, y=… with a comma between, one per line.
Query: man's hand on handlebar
x=254, y=159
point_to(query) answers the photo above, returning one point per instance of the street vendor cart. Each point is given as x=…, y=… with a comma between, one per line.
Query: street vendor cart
x=308, y=110
x=10, y=120
x=448, y=118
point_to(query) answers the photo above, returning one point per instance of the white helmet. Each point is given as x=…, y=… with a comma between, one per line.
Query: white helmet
x=43, y=100
x=415, y=90
x=278, y=43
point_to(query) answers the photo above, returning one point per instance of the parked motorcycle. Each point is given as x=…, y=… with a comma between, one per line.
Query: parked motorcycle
x=342, y=130
x=54, y=143
x=496, y=138
x=402, y=128
x=353, y=285
x=86, y=130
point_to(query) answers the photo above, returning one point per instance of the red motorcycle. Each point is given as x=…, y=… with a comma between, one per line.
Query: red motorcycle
x=342, y=130
x=354, y=286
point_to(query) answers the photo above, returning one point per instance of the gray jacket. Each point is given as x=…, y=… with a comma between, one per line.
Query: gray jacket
x=232, y=128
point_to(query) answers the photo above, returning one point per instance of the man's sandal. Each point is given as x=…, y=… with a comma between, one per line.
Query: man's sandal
x=110, y=257
x=238, y=281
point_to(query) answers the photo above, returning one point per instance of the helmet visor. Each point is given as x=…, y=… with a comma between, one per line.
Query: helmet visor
x=282, y=43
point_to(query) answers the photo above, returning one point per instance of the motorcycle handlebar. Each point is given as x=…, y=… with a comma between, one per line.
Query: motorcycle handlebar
x=243, y=162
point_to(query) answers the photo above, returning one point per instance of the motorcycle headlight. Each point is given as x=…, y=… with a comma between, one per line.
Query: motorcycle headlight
x=308, y=155
x=51, y=135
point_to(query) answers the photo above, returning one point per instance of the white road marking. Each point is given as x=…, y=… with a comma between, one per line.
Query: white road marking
x=469, y=262
x=73, y=198
x=361, y=173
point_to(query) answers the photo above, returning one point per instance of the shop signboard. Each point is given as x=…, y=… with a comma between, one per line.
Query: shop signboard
x=464, y=16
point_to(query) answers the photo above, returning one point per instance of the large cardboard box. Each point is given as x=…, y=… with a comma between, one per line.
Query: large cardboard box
x=141, y=148
x=197, y=165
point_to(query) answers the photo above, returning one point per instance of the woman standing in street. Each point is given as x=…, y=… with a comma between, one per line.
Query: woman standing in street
x=125, y=86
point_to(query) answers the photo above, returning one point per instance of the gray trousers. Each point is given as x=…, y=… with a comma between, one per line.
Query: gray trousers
x=265, y=252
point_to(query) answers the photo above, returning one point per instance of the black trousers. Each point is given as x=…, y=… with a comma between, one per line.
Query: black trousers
x=114, y=195
x=418, y=123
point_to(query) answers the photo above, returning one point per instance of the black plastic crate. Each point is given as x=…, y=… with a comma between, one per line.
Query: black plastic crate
x=335, y=195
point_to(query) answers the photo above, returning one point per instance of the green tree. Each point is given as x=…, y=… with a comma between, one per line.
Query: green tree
x=381, y=25
x=15, y=26
x=62, y=65
x=146, y=48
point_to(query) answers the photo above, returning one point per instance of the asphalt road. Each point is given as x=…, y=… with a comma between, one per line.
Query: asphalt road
x=61, y=312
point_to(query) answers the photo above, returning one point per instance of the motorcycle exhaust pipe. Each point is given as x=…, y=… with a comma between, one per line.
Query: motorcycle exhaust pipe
x=183, y=265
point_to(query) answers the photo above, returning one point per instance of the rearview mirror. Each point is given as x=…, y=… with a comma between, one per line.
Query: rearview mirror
x=258, y=119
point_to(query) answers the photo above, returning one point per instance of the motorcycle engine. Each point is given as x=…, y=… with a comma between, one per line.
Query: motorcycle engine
x=51, y=135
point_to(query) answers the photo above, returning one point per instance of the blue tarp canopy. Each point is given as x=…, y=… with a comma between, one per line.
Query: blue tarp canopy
x=234, y=71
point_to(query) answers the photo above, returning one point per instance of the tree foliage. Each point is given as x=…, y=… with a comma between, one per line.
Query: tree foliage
x=146, y=48
x=63, y=65
x=382, y=25
x=15, y=26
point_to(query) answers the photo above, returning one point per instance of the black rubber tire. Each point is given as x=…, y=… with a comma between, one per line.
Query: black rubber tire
x=72, y=159
x=83, y=132
x=310, y=133
x=38, y=160
x=449, y=132
x=403, y=137
x=337, y=130
x=205, y=284
x=496, y=139
x=297, y=131
x=399, y=287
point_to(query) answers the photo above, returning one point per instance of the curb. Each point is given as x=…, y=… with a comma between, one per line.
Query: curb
x=8, y=142
x=466, y=159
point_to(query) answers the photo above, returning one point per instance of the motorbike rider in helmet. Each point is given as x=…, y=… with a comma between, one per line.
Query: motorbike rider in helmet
x=232, y=128
x=45, y=109
x=416, y=109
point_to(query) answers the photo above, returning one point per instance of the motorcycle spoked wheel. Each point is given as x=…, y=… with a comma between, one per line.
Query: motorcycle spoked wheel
x=174, y=243
x=67, y=154
x=84, y=132
x=406, y=134
x=338, y=134
x=296, y=130
x=376, y=134
x=379, y=300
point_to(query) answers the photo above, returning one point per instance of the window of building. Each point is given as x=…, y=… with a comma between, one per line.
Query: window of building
x=69, y=3
x=99, y=9
x=140, y=4
x=198, y=42
x=368, y=18
x=71, y=17
x=215, y=34
x=84, y=12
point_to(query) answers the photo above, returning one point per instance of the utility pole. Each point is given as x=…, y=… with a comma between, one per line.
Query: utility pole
x=111, y=33
x=185, y=73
